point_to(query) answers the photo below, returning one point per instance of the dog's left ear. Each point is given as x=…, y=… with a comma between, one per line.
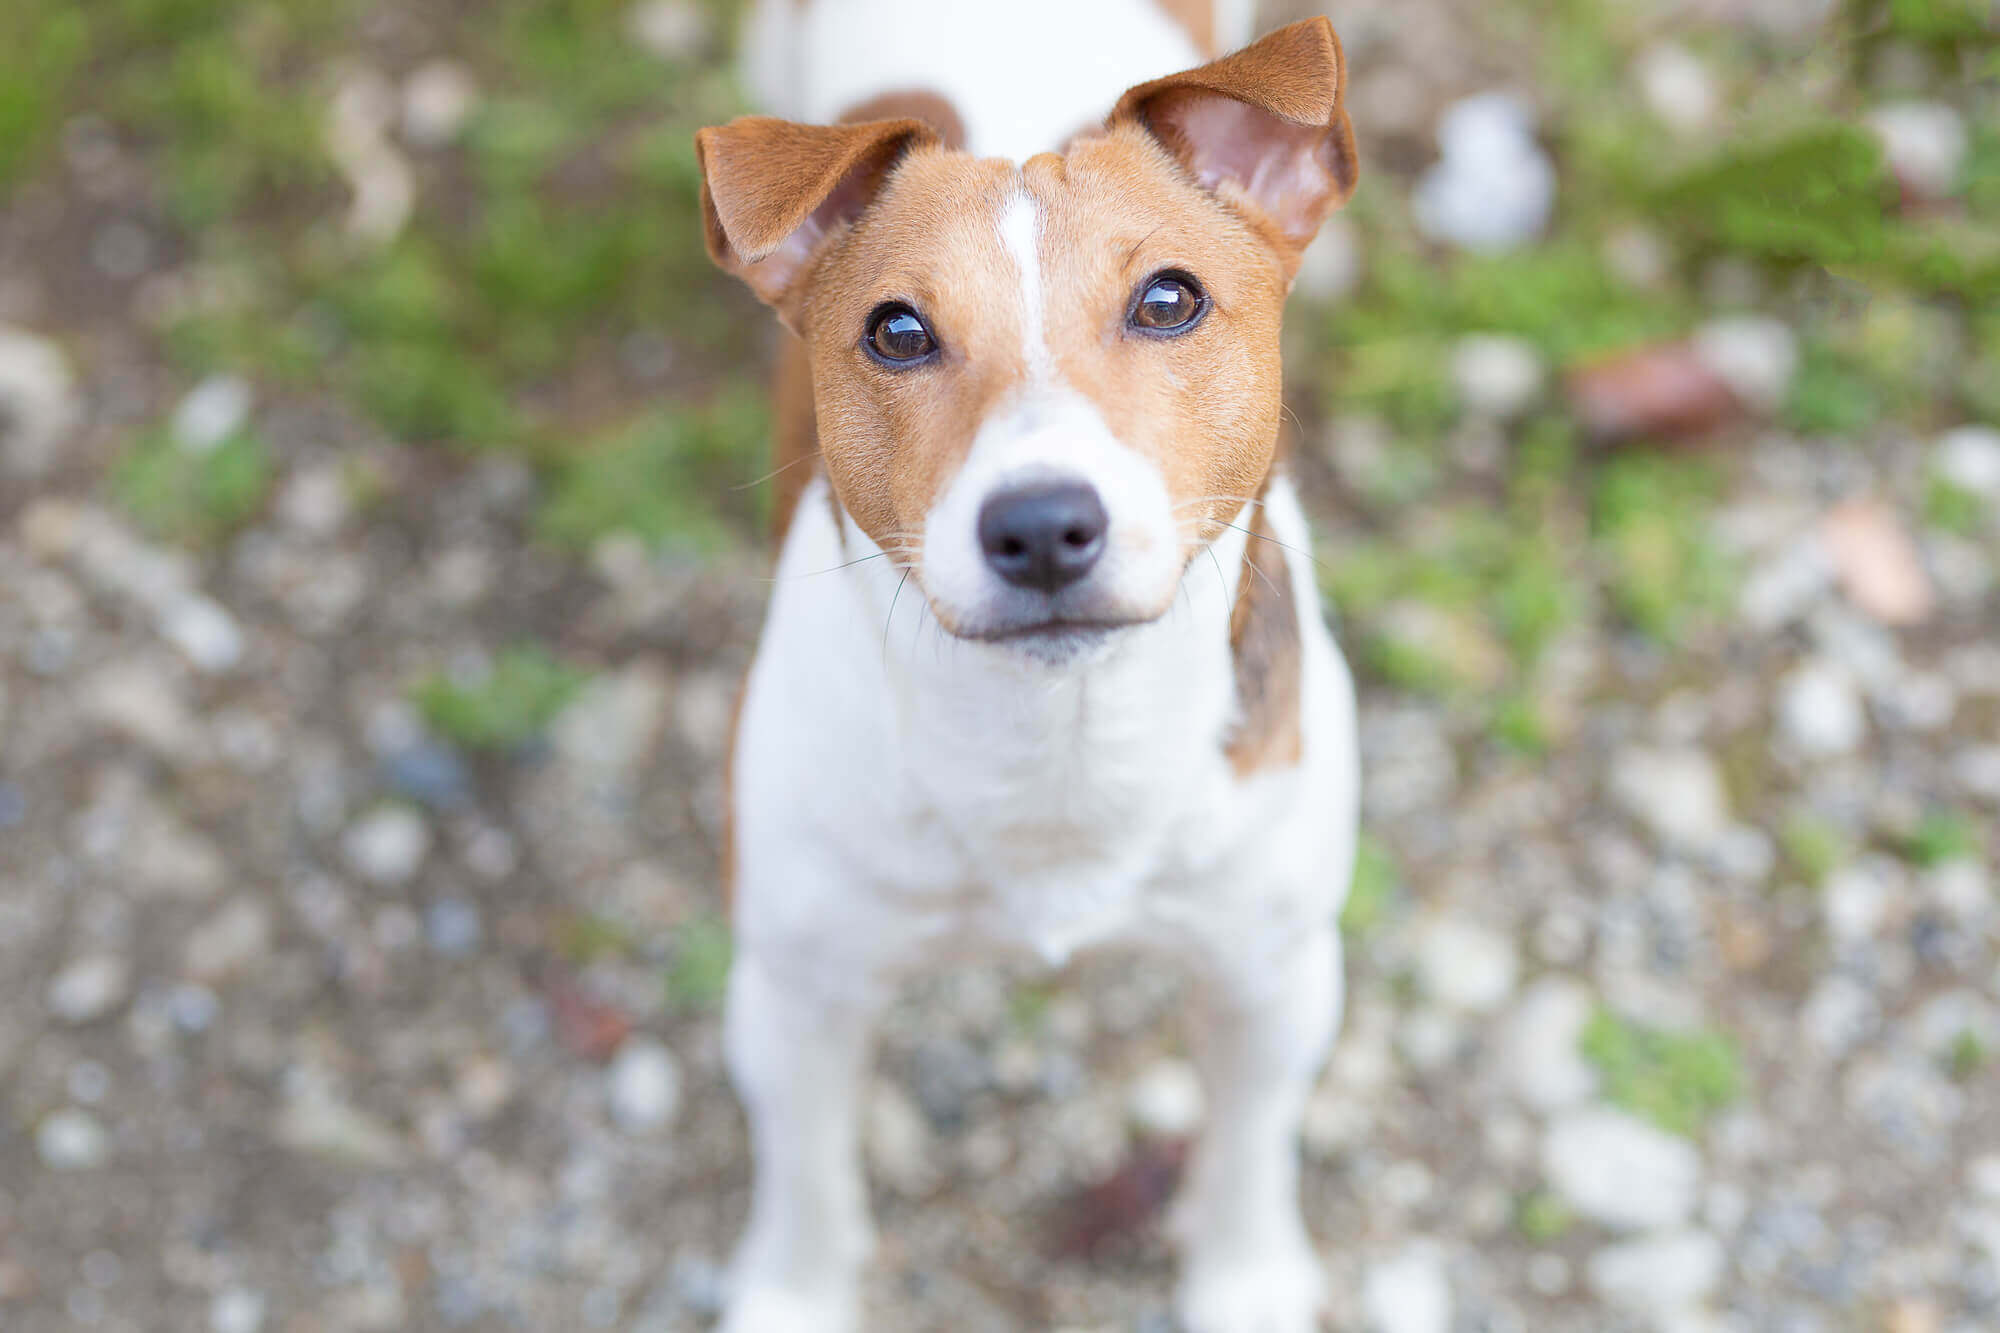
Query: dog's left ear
x=1265, y=128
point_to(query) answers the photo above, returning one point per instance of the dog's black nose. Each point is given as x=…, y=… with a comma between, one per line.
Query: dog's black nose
x=1044, y=537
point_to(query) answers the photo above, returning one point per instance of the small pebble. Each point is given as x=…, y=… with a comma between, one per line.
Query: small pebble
x=236, y=1310
x=1408, y=1293
x=1166, y=1099
x=1466, y=966
x=89, y=988
x=1616, y=1169
x=388, y=846
x=644, y=1085
x=71, y=1140
x=211, y=412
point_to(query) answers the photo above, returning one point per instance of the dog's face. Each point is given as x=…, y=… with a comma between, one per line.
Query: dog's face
x=1041, y=389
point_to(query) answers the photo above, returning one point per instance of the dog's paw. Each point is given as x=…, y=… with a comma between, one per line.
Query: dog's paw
x=1279, y=1293
x=769, y=1309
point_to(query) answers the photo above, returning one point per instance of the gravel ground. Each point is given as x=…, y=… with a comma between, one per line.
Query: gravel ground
x=312, y=1019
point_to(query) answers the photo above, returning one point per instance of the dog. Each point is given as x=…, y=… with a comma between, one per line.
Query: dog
x=1044, y=668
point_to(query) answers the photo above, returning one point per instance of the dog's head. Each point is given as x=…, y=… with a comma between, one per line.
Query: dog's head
x=1042, y=388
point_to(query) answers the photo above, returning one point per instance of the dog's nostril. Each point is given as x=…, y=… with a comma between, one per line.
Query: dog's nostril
x=1045, y=536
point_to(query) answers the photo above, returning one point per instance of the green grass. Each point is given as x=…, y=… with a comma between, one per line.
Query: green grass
x=1543, y=1218
x=673, y=479
x=1814, y=847
x=194, y=497
x=1372, y=895
x=503, y=707
x=1649, y=513
x=1944, y=835
x=1676, y=1080
x=698, y=977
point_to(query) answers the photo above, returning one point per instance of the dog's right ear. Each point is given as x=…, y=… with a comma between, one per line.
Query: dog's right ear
x=772, y=190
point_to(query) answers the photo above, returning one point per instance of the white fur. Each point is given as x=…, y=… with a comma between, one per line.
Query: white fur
x=1024, y=75
x=905, y=797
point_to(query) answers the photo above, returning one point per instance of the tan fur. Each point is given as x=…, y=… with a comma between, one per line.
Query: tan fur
x=1197, y=18
x=1264, y=637
x=912, y=104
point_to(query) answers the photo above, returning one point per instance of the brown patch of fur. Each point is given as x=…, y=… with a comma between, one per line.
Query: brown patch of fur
x=794, y=438
x=1264, y=638
x=912, y=104
x=1197, y=17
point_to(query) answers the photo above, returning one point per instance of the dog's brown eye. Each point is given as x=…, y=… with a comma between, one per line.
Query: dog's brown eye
x=897, y=336
x=1168, y=303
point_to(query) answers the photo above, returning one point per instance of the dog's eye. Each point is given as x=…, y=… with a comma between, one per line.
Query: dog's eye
x=1170, y=302
x=897, y=336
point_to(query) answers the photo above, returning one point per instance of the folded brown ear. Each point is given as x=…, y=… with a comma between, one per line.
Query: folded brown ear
x=1265, y=126
x=772, y=190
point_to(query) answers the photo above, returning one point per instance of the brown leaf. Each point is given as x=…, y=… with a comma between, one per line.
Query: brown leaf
x=585, y=1025
x=1877, y=562
x=1663, y=392
x=1123, y=1204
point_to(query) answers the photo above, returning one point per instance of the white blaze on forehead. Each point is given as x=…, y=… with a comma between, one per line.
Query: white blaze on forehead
x=1020, y=228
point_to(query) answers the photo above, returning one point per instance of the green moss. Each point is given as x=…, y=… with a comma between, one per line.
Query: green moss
x=1372, y=894
x=1517, y=724
x=509, y=703
x=698, y=977
x=1543, y=1218
x=1968, y=1055
x=1818, y=194
x=671, y=479
x=1676, y=1080
x=1814, y=847
x=1951, y=508
x=1830, y=395
x=1649, y=513
x=1943, y=835
x=190, y=496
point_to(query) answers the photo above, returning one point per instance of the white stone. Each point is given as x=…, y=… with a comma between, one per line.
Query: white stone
x=1166, y=1099
x=206, y=634
x=900, y=1147
x=89, y=988
x=228, y=943
x=1969, y=458
x=1497, y=377
x=1330, y=268
x=1977, y=768
x=1820, y=712
x=211, y=412
x=316, y=501
x=237, y=1310
x=1756, y=356
x=1676, y=792
x=39, y=405
x=1493, y=187
x=138, y=700
x=1961, y=888
x=1925, y=143
x=1678, y=87
x=1466, y=966
x=1618, y=1170
x=1856, y=900
x=670, y=29
x=71, y=1140
x=612, y=725
x=1540, y=1056
x=388, y=846
x=1658, y=1275
x=644, y=1085
x=1408, y=1292
x=438, y=100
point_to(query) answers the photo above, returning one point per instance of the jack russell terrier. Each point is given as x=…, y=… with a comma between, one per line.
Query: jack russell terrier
x=1044, y=669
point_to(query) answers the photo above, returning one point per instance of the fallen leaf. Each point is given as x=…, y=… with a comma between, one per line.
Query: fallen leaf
x=1124, y=1203
x=1877, y=563
x=1663, y=392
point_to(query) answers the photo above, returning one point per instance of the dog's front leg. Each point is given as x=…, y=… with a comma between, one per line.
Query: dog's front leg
x=1247, y=1265
x=797, y=1052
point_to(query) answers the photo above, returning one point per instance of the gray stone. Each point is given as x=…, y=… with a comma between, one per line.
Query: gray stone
x=438, y=99
x=1496, y=376
x=1408, y=1292
x=237, y=1310
x=1658, y=1275
x=1820, y=712
x=89, y=988
x=1466, y=966
x=1166, y=1099
x=1618, y=1170
x=1493, y=187
x=388, y=846
x=39, y=407
x=643, y=1085
x=1756, y=356
x=900, y=1144
x=614, y=722
x=1540, y=1055
x=1676, y=792
x=228, y=943
x=71, y=1140
x=211, y=412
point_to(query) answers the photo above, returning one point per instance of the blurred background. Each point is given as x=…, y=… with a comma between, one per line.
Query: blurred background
x=380, y=546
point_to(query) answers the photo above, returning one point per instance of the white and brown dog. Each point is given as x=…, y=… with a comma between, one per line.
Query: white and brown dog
x=1044, y=669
